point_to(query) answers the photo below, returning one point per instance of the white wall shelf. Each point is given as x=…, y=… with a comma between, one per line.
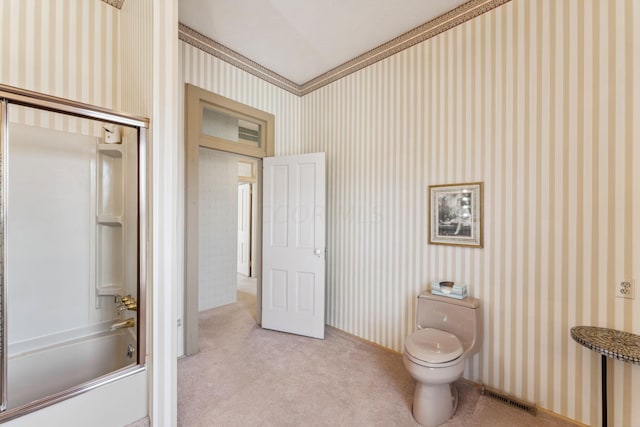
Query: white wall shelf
x=110, y=219
x=110, y=290
x=112, y=150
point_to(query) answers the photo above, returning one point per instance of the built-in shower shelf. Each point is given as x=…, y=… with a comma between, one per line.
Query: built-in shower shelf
x=111, y=150
x=110, y=290
x=109, y=220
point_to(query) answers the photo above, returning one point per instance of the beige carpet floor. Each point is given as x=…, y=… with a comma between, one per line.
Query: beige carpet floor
x=246, y=284
x=247, y=376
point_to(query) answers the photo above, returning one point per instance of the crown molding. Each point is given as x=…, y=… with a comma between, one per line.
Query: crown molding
x=115, y=3
x=447, y=21
x=212, y=47
x=442, y=23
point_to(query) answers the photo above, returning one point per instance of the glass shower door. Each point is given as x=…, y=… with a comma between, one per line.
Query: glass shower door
x=71, y=253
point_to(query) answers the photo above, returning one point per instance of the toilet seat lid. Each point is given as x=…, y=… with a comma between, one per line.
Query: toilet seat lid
x=433, y=346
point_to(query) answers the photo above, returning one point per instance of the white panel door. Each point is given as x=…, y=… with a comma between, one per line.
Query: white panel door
x=244, y=227
x=293, y=272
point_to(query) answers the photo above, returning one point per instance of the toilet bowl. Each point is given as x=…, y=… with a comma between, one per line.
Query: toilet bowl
x=449, y=332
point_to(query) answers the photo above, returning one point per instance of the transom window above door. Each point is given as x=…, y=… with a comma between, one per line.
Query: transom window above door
x=227, y=125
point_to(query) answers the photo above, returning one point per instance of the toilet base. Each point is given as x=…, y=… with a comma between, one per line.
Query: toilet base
x=434, y=404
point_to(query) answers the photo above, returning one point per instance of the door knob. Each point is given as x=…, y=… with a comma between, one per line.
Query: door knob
x=318, y=252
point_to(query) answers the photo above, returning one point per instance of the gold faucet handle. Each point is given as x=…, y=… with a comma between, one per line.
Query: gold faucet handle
x=127, y=323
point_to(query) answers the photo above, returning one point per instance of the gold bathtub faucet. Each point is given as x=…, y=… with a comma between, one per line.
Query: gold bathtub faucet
x=127, y=323
x=126, y=303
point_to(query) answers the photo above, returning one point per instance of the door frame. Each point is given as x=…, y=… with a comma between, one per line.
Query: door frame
x=252, y=181
x=195, y=100
x=249, y=211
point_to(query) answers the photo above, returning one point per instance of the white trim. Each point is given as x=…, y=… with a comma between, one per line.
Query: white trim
x=25, y=346
x=440, y=24
x=164, y=201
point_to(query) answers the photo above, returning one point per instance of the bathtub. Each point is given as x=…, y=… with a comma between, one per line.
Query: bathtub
x=43, y=372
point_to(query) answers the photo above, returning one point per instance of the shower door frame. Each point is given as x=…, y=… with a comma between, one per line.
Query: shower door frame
x=15, y=96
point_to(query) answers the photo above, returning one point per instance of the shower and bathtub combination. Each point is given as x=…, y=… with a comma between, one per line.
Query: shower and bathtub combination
x=73, y=248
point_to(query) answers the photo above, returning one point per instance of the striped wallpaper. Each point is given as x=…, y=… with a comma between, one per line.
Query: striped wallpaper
x=136, y=57
x=61, y=47
x=87, y=51
x=539, y=100
x=204, y=70
x=535, y=98
x=37, y=36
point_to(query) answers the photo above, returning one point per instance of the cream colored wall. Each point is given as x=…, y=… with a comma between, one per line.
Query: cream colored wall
x=539, y=100
x=536, y=99
x=86, y=51
x=136, y=57
x=54, y=48
x=63, y=48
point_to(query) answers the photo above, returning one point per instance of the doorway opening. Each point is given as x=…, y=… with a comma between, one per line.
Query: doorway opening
x=247, y=215
x=244, y=229
x=247, y=280
x=220, y=128
x=227, y=240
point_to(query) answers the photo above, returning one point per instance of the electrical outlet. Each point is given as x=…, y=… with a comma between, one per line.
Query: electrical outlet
x=625, y=289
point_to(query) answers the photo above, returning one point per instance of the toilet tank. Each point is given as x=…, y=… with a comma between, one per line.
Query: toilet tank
x=462, y=318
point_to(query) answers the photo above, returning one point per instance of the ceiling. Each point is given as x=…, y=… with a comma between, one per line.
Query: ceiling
x=303, y=39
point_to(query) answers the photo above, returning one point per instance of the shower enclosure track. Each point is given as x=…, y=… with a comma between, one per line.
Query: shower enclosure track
x=16, y=96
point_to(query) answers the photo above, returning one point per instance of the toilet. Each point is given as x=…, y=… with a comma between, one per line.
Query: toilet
x=449, y=332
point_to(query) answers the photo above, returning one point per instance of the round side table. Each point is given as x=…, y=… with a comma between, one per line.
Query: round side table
x=611, y=343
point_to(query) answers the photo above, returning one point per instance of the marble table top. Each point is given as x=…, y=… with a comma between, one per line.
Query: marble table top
x=612, y=343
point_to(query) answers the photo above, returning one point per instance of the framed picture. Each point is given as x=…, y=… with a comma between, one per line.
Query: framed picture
x=456, y=214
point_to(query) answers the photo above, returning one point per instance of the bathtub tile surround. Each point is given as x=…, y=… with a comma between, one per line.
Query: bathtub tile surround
x=49, y=370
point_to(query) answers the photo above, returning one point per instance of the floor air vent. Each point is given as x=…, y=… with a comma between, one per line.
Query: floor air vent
x=510, y=400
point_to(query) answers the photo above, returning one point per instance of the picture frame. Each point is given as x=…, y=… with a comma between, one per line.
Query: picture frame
x=455, y=214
